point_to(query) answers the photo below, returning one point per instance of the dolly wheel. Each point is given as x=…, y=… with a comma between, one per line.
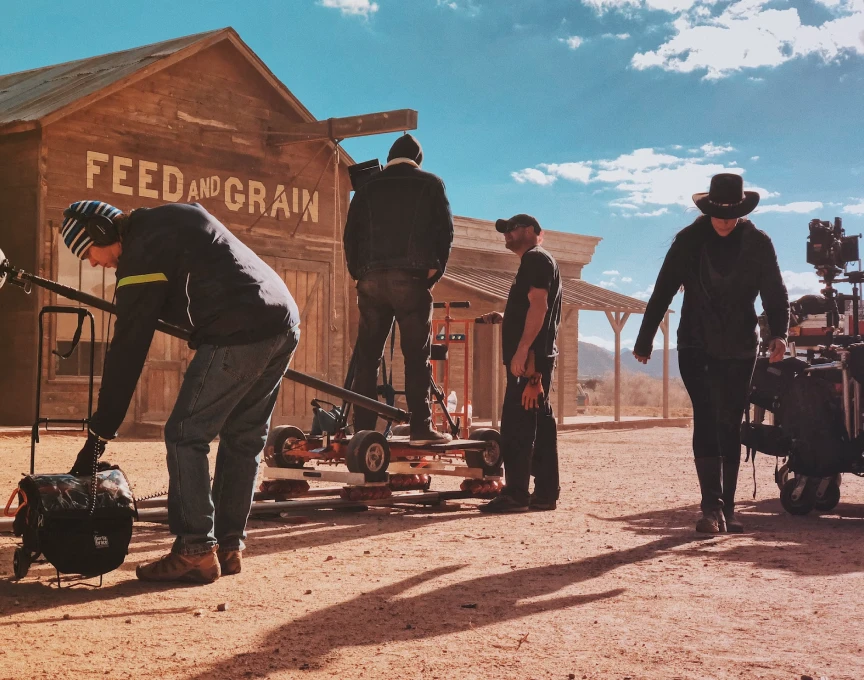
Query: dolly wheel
x=489, y=459
x=20, y=563
x=281, y=441
x=782, y=476
x=804, y=504
x=369, y=453
x=829, y=499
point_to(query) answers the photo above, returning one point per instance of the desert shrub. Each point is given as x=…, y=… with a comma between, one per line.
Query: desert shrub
x=638, y=389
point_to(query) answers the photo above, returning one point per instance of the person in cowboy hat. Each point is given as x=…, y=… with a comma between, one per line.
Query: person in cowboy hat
x=722, y=262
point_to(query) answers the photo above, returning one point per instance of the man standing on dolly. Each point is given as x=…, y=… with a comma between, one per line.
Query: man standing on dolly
x=723, y=262
x=397, y=242
x=529, y=435
x=179, y=264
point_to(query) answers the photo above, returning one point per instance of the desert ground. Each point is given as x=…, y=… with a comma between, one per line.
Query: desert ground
x=614, y=584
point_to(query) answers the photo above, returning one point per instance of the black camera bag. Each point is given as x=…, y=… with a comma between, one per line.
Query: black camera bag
x=55, y=519
x=771, y=381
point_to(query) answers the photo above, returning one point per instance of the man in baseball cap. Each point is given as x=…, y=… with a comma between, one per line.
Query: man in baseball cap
x=529, y=436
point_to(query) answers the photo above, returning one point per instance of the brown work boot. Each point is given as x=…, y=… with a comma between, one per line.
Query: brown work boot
x=230, y=561
x=202, y=568
x=428, y=436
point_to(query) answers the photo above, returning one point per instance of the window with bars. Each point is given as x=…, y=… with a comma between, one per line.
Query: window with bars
x=96, y=281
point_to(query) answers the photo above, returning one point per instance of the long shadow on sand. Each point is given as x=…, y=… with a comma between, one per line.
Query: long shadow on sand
x=396, y=618
x=774, y=539
x=265, y=537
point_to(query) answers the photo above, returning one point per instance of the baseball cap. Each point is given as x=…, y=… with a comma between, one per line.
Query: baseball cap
x=520, y=220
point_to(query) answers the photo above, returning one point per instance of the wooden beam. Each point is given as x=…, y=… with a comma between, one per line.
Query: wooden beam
x=665, y=328
x=617, y=321
x=399, y=120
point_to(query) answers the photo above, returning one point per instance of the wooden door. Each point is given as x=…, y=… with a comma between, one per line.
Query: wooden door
x=309, y=283
x=161, y=377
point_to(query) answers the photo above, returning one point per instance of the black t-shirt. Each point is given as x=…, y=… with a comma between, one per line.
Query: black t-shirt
x=538, y=269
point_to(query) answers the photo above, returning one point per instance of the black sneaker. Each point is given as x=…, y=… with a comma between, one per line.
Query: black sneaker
x=541, y=505
x=428, y=437
x=503, y=504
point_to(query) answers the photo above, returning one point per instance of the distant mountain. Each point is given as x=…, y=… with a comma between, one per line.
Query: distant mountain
x=596, y=361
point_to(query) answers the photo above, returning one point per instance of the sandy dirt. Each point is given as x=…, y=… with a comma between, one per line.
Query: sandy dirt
x=614, y=584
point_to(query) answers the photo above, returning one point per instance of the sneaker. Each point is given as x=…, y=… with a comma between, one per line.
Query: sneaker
x=430, y=436
x=230, y=561
x=203, y=568
x=541, y=505
x=503, y=504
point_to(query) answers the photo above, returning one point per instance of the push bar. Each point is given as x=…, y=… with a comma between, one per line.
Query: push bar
x=25, y=280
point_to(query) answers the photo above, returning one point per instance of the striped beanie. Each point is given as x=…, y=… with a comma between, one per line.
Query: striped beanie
x=72, y=230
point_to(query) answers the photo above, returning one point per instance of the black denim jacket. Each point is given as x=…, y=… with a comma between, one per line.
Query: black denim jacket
x=400, y=219
x=720, y=320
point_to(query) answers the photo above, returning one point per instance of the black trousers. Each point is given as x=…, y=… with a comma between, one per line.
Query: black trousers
x=382, y=296
x=529, y=443
x=718, y=389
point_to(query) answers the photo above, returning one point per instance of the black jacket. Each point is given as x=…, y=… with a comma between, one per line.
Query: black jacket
x=181, y=265
x=399, y=219
x=718, y=313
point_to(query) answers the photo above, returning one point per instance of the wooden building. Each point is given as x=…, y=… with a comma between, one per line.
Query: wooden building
x=202, y=119
x=194, y=119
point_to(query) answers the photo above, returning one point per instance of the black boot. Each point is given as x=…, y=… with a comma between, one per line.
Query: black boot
x=710, y=473
x=730, y=484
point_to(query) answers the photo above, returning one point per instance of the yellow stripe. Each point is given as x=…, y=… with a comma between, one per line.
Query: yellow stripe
x=141, y=278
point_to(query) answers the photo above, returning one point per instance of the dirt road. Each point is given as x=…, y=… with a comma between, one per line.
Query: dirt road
x=614, y=584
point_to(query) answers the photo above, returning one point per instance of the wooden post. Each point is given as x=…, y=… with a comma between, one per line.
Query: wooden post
x=617, y=321
x=561, y=382
x=496, y=374
x=665, y=328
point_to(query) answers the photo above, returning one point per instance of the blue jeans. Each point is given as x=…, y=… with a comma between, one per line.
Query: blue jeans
x=230, y=392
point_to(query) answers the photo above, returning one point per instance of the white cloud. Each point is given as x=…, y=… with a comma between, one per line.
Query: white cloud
x=573, y=42
x=575, y=172
x=533, y=176
x=652, y=213
x=711, y=149
x=644, y=294
x=802, y=283
x=854, y=209
x=612, y=272
x=746, y=35
x=796, y=207
x=626, y=279
x=352, y=7
x=607, y=284
x=645, y=180
x=616, y=36
x=605, y=343
x=754, y=158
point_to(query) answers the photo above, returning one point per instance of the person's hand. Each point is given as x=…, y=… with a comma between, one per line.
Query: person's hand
x=93, y=447
x=491, y=317
x=517, y=363
x=641, y=359
x=776, y=350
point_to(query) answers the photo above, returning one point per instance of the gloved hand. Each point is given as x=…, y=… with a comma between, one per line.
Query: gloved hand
x=94, y=447
x=532, y=395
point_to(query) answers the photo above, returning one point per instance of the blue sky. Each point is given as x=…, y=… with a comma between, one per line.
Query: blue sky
x=599, y=117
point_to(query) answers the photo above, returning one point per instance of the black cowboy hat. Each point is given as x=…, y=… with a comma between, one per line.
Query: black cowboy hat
x=726, y=197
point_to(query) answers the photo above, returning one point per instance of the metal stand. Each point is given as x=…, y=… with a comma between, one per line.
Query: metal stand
x=82, y=314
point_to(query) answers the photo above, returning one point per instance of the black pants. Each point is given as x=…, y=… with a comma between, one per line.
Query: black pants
x=405, y=296
x=718, y=389
x=529, y=443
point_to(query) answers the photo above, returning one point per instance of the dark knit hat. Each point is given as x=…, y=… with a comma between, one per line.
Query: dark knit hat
x=406, y=146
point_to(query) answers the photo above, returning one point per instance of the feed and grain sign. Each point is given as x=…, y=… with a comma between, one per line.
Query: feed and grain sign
x=169, y=183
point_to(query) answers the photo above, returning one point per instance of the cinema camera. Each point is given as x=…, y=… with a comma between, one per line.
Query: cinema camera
x=830, y=251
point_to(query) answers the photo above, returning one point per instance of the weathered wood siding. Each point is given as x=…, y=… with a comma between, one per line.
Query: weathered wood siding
x=198, y=132
x=19, y=208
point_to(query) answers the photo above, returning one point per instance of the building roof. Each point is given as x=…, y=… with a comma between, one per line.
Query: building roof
x=475, y=234
x=38, y=97
x=578, y=293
